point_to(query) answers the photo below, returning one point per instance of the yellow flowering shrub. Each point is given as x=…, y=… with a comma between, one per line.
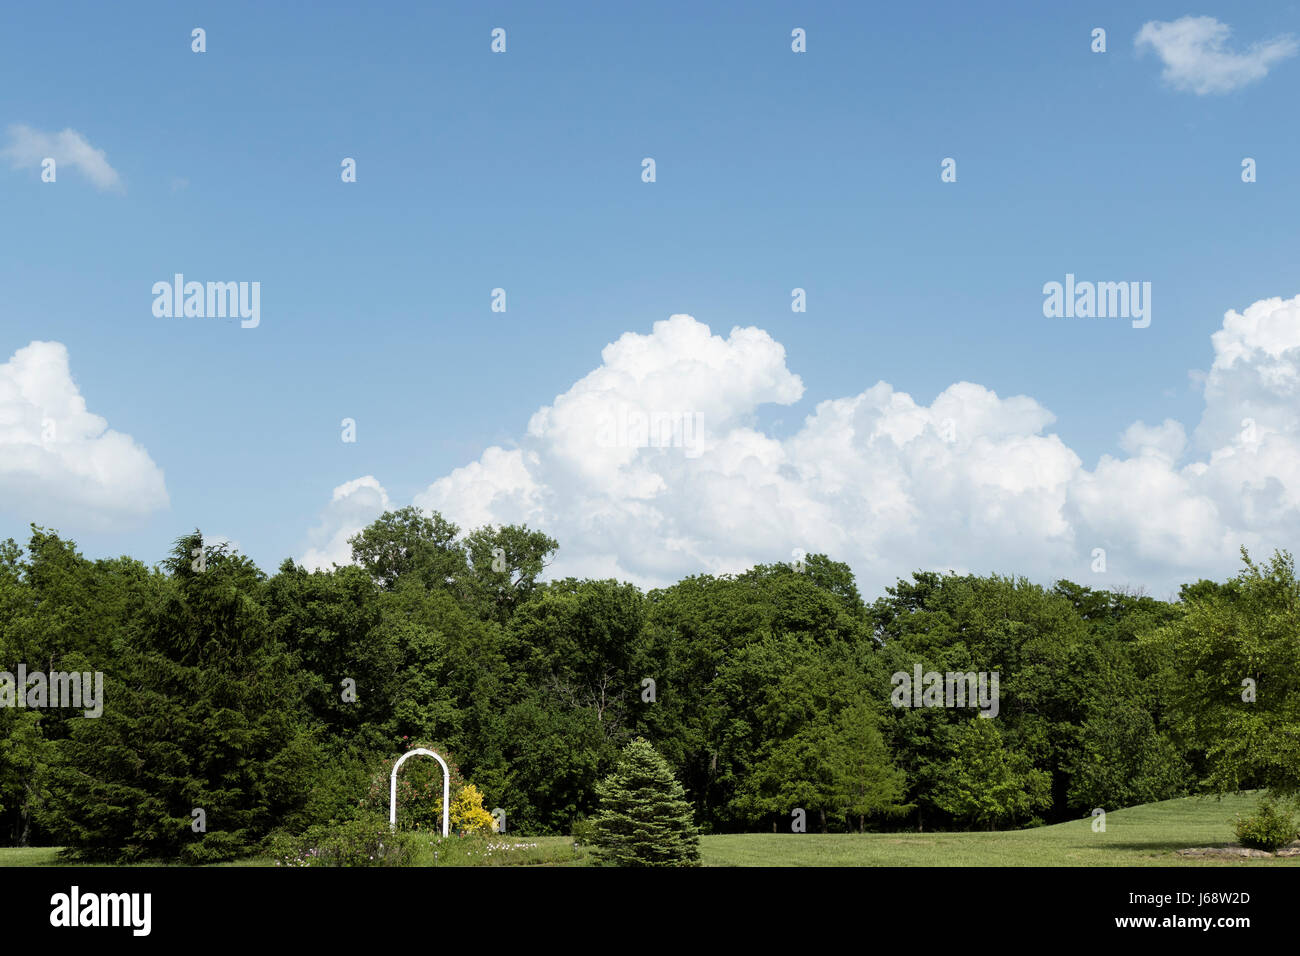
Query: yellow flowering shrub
x=467, y=813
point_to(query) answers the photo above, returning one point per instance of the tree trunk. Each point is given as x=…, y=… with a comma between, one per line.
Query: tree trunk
x=25, y=824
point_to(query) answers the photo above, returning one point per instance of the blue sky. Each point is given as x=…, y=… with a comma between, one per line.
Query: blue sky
x=522, y=170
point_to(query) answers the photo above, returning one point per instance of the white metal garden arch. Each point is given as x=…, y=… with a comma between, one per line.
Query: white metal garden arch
x=392, y=787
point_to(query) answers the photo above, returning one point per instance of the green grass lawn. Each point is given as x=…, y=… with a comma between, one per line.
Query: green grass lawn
x=547, y=851
x=1147, y=835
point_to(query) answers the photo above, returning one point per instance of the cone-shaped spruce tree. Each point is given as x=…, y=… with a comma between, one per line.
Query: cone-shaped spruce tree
x=644, y=818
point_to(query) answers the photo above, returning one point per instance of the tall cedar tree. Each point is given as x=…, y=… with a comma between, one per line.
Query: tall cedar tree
x=203, y=712
x=644, y=817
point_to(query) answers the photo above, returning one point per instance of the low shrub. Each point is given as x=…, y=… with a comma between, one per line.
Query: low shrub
x=365, y=841
x=583, y=831
x=216, y=847
x=1270, y=827
x=467, y=813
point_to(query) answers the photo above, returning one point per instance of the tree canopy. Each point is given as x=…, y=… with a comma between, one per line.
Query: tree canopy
x=273, y=702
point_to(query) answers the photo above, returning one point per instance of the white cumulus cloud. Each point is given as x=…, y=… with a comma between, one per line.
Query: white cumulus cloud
x=354, y=505
x=60, y=464
x=1196, y=58
x=971, y=481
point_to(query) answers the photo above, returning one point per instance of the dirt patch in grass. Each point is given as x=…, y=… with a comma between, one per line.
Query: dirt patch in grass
x=1236, y=850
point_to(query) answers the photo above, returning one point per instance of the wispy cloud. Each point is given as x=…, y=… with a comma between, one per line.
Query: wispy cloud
x=1196, y=59
x=28, y=147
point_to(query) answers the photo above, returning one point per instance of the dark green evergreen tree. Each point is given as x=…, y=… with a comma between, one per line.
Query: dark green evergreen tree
x=204, y=711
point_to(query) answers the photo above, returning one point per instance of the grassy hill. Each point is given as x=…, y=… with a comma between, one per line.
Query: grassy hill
x=1147, y=835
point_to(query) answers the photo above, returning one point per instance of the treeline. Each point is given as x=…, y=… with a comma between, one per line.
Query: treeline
x=276, y=702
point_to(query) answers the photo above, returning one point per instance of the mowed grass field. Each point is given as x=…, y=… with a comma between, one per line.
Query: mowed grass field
x=1148, y=835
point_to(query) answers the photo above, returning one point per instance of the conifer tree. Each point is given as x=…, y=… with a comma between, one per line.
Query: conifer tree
x=202, y=747
x=644, y=817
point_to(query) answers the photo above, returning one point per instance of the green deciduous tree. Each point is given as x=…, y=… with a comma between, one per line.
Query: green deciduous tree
x=504, y=565
x=985, y=784
x=1230, y=675
x=409, y=543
